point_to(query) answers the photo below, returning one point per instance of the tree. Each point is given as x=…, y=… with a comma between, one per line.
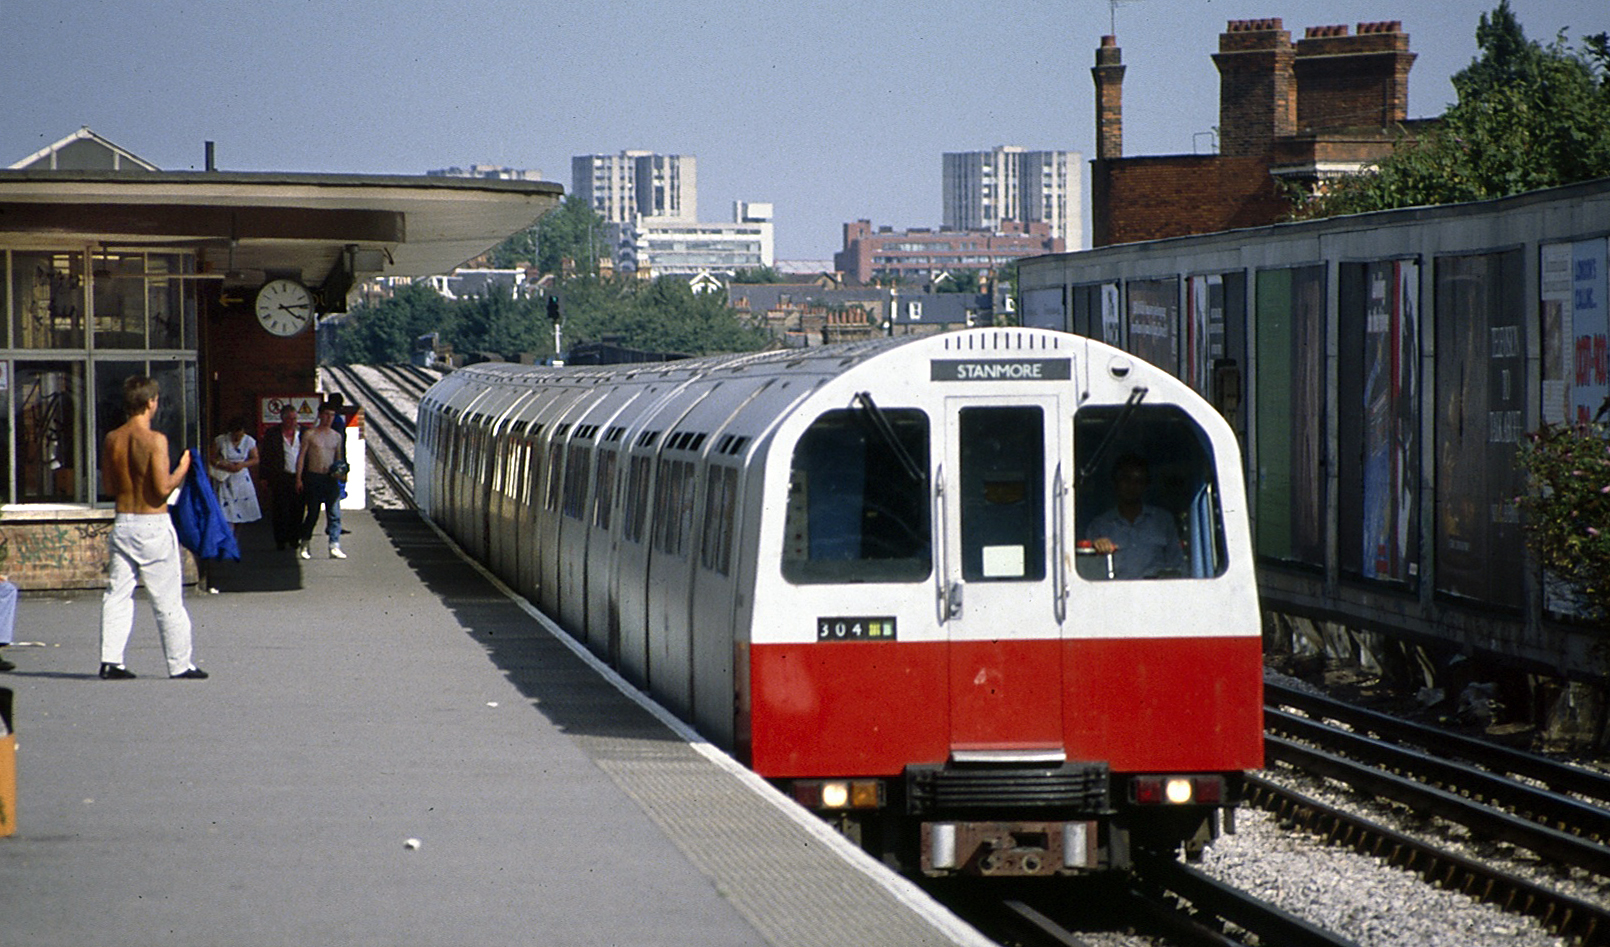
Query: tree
x=758, y=274
x=1568, y=506
x=384, y=333
x=501, y=324
x=962, y=281
x=1528, y=117
x=519, y=250
x=573, y=232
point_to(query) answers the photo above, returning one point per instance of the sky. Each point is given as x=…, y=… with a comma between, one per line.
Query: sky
x=831, y=111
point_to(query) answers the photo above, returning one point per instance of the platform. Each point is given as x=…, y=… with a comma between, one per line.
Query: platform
x=357, y=705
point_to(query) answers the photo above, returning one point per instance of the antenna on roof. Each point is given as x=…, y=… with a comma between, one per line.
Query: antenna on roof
x=1112, y=15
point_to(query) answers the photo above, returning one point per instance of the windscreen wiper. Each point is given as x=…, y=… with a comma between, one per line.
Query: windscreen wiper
x=880, y=423
x=1136, y=396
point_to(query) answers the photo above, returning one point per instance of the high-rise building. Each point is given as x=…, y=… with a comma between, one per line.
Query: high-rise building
x=630, y=185
x=658, y=246
x=983, y=189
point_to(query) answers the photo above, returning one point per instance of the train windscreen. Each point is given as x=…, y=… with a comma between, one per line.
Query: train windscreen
x=1149, y=507
x=858, y=506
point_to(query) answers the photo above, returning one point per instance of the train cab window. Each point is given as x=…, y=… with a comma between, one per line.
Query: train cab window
x=1146, y=496
x=858, y=504
x=1003, y=494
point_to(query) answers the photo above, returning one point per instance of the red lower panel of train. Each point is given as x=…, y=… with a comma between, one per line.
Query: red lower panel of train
x=1139, y=704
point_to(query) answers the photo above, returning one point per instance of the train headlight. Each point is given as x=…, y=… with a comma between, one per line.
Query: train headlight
x=1176, y=790
x=839, y=793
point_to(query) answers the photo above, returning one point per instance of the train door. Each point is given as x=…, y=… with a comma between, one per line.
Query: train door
x=999, y=579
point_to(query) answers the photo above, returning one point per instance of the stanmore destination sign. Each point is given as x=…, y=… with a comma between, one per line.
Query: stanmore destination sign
x=1003, y=369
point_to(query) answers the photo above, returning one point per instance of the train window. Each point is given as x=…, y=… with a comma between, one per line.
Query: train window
x=604, y=488
x=720, y=504
x=636, y=506
x=576, y=462
x=1003, y=494
x=854, y=512
x=556, y=472
x=1146, y=488
x=673, y=505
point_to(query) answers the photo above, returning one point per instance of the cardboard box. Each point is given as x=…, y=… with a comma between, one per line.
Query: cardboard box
x=8, y=767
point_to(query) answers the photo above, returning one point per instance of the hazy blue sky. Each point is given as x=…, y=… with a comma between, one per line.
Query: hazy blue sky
x=831, y=111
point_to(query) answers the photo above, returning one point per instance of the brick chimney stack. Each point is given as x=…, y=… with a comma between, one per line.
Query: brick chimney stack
x=1353, y=82
x=1109, y=75
x=1256, y=100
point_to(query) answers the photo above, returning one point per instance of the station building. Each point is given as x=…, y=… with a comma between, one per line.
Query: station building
x=112, y=268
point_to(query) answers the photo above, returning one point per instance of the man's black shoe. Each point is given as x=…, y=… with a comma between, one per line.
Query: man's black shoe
x=116, y=672
x=7, y=665
x=194, y=674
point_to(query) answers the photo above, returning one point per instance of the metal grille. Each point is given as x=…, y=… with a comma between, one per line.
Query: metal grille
x=1077, y=786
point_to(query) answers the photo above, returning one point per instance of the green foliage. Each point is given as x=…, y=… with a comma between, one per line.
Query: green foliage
x=519, y=250
x=499, y=324
x=384, y=334
x=662, y=316
x=964, y=281
x=759, y=274
x=1528, y=117
x=1568, y=506
x=573, y=232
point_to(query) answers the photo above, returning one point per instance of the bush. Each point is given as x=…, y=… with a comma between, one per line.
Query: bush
x=1568, y=507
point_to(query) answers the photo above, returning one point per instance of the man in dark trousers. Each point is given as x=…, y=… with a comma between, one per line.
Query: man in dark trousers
x=279, y=450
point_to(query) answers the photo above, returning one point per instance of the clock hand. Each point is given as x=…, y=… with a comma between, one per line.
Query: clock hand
x=293, y=310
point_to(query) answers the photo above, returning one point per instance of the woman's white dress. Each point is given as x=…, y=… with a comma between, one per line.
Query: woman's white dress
x=236, y=493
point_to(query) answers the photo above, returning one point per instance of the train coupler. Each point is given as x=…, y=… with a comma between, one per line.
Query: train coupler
x=1008, y=849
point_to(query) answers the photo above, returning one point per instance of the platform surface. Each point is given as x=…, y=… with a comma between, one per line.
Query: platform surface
x=358, y=704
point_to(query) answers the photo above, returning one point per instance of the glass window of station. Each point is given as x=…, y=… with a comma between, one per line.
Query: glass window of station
x=78, y=323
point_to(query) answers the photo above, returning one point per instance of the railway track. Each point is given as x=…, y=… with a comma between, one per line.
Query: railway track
x=390, y=401
x=1434, y=773
x=1166, y=901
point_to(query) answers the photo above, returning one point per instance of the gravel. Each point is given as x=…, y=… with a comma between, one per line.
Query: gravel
x=1356, y=895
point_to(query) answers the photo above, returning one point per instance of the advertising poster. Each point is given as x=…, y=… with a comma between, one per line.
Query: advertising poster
x=1154, y=311
x=1479, y=309
x=1042, y=309
x=1112, y=320
x=1204, y=330
x=1589, y=383
x=1559, y=341
x=1290, y=318
x=1391, y=448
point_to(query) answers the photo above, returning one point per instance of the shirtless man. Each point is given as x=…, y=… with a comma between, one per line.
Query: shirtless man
x=321, y=447
x=143, y=545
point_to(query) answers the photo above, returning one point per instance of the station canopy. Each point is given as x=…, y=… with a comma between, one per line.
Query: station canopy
x=248, y=226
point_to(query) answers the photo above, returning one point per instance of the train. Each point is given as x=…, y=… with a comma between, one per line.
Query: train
x=868, y=571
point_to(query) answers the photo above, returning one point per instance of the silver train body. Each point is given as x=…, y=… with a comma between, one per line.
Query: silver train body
x=866, y=571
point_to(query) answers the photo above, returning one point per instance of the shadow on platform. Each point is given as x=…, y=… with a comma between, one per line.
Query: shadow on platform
x=559, y=684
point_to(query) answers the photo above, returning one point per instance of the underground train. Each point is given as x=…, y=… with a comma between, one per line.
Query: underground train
x=877, y=574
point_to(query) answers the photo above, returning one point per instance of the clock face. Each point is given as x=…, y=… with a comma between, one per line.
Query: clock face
x=284, y=306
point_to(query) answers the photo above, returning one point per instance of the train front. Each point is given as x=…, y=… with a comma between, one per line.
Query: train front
x=1015, y=629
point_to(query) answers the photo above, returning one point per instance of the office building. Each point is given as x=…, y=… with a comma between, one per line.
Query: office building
x=984, y=190
x=624, y=187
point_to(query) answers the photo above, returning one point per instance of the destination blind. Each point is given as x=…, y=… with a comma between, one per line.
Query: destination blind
x=996, y=369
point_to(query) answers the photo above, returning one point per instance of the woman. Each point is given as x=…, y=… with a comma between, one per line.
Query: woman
x=230, y=464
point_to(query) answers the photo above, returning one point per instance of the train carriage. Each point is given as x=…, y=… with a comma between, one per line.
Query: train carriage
x=869, y=571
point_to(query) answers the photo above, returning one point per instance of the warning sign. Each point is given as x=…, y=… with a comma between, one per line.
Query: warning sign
x=307, y=408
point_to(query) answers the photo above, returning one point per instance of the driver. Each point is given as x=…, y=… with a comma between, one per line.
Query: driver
x=1142, y=539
